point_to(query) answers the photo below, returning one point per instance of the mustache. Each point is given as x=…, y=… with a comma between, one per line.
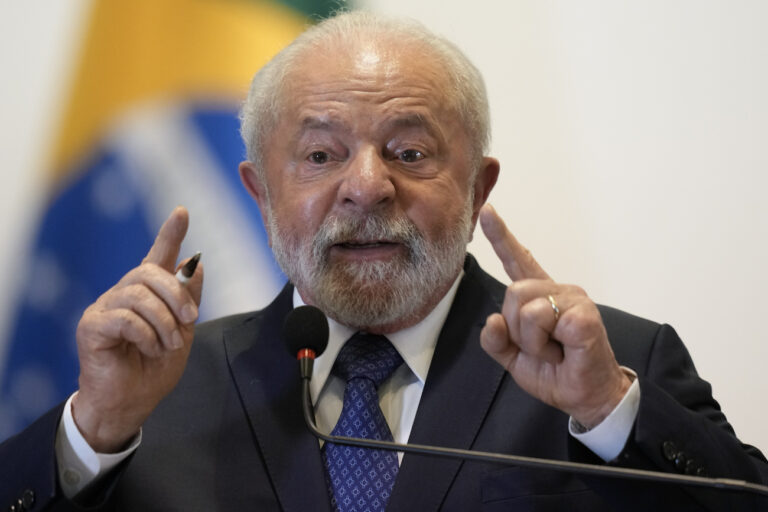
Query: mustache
x=365, y=229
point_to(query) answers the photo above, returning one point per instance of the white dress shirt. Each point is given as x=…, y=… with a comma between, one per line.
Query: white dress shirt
x=399, y=397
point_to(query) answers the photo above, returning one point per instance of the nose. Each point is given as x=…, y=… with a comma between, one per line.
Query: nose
x=367, y=183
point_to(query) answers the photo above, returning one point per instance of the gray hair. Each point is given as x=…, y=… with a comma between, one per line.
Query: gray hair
x=260, y=112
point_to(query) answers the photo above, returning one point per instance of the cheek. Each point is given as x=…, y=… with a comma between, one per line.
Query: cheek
x=436, y=206
x=302, y=211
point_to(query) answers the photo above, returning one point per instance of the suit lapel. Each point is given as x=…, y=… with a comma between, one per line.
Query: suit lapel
x=460, y=387
x=267, y=379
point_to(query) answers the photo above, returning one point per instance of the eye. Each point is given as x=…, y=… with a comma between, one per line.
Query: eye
x=319, y=157
x=410, y=155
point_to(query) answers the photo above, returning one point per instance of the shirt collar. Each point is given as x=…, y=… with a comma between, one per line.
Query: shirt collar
x=416, y=344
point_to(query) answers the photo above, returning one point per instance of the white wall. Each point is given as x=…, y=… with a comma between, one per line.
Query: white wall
x=632, y=139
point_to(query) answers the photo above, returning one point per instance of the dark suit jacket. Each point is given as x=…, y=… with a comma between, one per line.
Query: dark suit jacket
x=231, y=435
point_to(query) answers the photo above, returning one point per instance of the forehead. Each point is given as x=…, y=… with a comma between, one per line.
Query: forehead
x=399, y=79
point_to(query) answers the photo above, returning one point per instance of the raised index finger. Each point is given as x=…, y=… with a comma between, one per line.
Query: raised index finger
x=517, y=260
x=165, y=250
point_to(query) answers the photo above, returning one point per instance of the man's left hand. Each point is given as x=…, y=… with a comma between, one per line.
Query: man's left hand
x=549, y=336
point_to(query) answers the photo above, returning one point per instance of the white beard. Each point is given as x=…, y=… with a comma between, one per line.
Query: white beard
x=369, y=294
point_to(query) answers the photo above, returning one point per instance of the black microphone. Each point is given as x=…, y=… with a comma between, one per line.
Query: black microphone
x=305, y=332
x=309, y=339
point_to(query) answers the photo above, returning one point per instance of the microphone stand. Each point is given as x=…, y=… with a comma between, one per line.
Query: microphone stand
x=530, y=462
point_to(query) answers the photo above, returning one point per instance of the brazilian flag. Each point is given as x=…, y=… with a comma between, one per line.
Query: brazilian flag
x=150, y=123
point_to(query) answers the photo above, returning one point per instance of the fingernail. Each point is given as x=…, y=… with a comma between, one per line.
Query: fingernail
x=188, y=313
x=176, y=340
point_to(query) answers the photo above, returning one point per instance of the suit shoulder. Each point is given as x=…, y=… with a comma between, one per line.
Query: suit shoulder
x=620, y=322
x=212, y=328
x=209, y=335
x=215, y=329
x=634, y=339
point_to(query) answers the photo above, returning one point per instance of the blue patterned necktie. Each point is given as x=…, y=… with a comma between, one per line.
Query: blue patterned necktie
x=361, y=479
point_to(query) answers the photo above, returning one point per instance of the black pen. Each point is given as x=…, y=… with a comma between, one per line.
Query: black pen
x=186, y=272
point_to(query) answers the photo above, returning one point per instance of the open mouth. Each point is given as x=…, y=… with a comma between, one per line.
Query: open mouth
x=367, y=249
x=365, y=245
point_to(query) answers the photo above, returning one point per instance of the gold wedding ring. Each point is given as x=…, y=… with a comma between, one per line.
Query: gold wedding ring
x=554, y=307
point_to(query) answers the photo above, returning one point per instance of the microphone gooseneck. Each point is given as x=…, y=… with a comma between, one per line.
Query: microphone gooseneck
x=529, y=462
x=312, y=338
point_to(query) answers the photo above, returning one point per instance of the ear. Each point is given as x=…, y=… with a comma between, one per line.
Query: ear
x=484, y=183
x=249, y=176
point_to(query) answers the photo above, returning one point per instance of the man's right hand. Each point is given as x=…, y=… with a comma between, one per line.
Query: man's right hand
x=133, y=342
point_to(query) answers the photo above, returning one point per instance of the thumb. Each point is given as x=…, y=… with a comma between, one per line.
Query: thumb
x=495, y=340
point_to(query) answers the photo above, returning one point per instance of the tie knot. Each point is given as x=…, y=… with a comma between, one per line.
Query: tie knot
x=371, y=356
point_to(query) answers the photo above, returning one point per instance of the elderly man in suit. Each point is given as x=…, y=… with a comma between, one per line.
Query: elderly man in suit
x=367, y=148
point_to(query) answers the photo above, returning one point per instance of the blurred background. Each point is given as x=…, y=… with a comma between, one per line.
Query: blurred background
x=632, y=136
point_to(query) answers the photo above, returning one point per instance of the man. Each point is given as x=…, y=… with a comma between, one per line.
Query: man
x=366, y=141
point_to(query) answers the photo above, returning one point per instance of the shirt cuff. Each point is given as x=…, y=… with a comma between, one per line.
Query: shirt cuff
x=608, y=438
x=78, y=464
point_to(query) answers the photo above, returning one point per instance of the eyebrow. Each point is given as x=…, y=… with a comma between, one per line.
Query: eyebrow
x=320, y=123
x=415, y=120
x=409, y=120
